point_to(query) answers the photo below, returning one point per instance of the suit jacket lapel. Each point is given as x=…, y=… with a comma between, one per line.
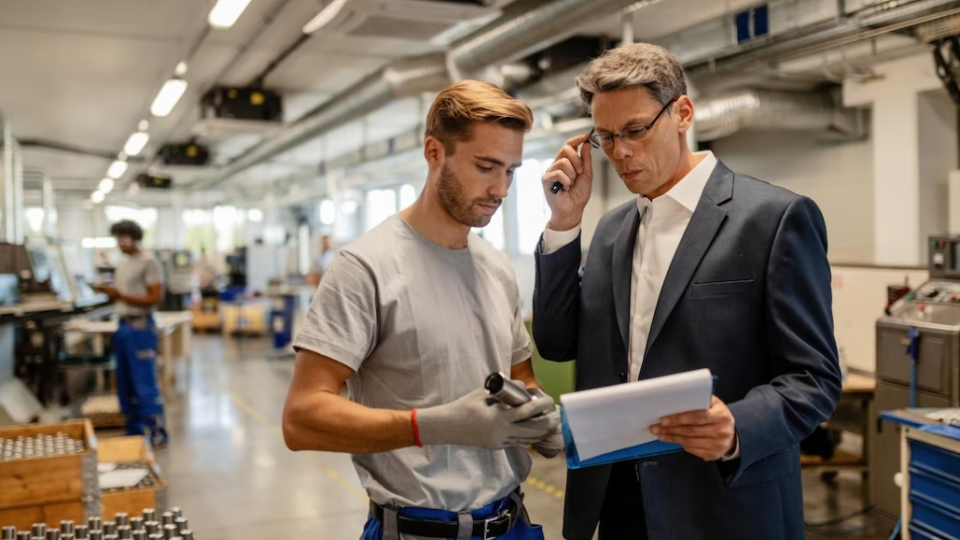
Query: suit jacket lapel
x=703, y=227
x=623, y=248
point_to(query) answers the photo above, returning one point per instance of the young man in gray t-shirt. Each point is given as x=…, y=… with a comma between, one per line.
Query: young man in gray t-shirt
x=414, y=316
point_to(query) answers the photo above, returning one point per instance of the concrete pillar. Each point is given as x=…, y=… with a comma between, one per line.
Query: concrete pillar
x=900, y=192
x=7, y=198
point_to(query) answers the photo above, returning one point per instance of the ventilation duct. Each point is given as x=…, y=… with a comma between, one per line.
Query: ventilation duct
x=727, y=114
x=525, y=26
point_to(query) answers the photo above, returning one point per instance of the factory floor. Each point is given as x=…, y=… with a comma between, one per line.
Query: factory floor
x=229, y=470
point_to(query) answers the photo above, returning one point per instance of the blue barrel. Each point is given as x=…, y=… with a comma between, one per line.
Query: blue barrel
x=281, y=320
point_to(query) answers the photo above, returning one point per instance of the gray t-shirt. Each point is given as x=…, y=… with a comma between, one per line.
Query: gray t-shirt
x=422, y=326
x=132, y=278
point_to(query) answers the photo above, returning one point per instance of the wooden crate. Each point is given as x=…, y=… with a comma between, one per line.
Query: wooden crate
x=50, y=488
x=131, y=501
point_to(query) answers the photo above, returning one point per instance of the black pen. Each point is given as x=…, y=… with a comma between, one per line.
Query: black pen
x=556, y=187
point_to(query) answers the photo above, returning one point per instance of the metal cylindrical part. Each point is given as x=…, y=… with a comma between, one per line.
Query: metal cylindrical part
x=182, y=524
x=109, y=527
x=67, y=527
x=149, y=514
x=168, y=518
x=53, y=534
x=140, y=535
x=136, y=523
x=169, y=531
x=95, y=524
x=124, y=532
x=506, y=391
x=157, y=536
x=81, y=532
x=187, y=534
x=122, y=519
x=9, y=533
x=67, y=537
x=177, y=512
x=152, y=527
x=96, y=535
x=39, y=529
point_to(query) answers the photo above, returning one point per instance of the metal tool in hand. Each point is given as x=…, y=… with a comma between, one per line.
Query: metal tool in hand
x=506, y=391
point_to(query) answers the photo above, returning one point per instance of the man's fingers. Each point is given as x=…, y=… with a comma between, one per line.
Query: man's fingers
x=586, y=159
x=578, y=140
x=692, y=418
x=564, y=165
x=533, y=408
x=570, y=153
x=710, y=431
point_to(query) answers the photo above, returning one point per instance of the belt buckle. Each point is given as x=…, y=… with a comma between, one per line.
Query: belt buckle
x=496, y=519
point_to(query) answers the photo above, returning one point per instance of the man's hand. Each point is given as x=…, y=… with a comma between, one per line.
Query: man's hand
x=474, y=420
x=709, y=435
x=575, y=171
x=108, y=290
x=552, y=445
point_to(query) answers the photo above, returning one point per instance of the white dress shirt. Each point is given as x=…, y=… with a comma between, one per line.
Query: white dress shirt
x=662, y=223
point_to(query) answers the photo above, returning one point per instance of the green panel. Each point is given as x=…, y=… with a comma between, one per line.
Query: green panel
x=556, y=378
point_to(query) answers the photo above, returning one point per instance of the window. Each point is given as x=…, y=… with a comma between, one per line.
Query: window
x=532, y=210
x=381, y=204
x=408, y=194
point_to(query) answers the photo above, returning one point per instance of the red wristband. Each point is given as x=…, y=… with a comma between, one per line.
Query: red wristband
x=416, y=429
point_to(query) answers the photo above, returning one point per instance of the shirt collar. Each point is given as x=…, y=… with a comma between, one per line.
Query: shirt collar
x=688, y=190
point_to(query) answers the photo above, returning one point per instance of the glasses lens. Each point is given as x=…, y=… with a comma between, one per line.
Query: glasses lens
x=634, y=134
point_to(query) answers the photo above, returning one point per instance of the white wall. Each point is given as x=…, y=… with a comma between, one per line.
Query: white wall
x=937, y=122
x=837, y=176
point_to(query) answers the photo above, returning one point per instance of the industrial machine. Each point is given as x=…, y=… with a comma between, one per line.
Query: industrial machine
x=918, y=353
x=178, y=278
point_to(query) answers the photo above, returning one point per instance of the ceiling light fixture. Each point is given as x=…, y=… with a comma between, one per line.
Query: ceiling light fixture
x=181, y=69
x=117, y=168
x=168, y=97
x=97, y=197
x=135, y=143
x=326, y=15
x=106, y=185
x=226, y=13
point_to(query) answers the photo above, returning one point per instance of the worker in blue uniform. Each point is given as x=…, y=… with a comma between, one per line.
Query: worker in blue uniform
x=137, y=291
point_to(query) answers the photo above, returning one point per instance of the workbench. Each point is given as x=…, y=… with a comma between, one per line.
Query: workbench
x=853, y=414
x=929, y=476
x=175, y=332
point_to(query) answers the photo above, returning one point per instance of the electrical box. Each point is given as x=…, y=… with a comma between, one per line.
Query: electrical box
x=184, y=154
x=241, y=103
x=154, y=181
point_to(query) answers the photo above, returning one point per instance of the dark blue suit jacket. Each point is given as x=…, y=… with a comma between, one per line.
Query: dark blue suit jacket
x=747, y=296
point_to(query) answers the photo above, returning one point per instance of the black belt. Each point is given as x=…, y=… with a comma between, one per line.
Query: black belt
x=494, y=527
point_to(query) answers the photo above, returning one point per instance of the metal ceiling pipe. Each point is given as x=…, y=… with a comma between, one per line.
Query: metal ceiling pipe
x=525, y=26
x=724, y=115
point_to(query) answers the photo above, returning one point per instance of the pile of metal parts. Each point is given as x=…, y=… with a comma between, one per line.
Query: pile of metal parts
x=171, y=526
x=40, y=446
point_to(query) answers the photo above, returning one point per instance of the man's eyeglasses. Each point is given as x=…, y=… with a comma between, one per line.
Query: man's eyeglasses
x=629, y=135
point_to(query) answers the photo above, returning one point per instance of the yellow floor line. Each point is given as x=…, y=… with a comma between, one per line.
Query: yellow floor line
x=256, y=415
x=547, y=488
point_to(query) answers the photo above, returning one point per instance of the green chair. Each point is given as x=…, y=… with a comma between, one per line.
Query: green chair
x=557, y=379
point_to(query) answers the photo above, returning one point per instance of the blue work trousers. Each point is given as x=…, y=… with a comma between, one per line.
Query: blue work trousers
x=522, y=530
x=135, y=348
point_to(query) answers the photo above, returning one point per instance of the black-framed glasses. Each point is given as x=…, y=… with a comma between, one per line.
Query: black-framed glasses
x=629, y=135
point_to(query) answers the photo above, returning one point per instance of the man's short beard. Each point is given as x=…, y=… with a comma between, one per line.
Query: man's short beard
x=454, y=200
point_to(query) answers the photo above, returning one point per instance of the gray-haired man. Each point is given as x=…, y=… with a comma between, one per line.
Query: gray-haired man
x=706, y=268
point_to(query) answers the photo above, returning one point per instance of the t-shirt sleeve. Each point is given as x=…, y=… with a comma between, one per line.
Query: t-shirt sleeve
x=341, y=323
x=151, y=272
x=522, y=347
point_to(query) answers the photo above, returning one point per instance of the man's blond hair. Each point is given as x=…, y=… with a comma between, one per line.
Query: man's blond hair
x=460, y=106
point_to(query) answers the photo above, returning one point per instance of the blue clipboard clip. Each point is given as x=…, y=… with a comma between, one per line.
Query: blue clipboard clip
x=650, y=449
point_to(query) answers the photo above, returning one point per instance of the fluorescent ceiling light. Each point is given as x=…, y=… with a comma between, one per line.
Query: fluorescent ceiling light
x=135, y=143
x=255, y=215
x=168, y=97
x=117, y=168
x=328, y=212
x=143, y=125
x=106, y=185
x=181, y=69
x=323, y=18
x=97, y=197
x=226, y=12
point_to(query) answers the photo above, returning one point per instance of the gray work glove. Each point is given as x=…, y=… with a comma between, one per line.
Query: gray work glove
x=474, y=420
x=552, y=443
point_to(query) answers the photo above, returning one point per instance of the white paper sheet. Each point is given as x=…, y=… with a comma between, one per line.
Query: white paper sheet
x=122, y=478
x=608, y=419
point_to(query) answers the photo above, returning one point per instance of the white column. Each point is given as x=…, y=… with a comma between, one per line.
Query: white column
x=893, y=93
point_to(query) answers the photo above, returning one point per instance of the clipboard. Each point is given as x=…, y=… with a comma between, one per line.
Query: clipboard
x=650, y=449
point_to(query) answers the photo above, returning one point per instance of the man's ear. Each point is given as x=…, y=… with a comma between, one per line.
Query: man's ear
x=434, y=152
x=684, y=113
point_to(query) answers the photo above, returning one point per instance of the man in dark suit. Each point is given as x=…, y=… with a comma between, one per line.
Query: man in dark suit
x=706, y=268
